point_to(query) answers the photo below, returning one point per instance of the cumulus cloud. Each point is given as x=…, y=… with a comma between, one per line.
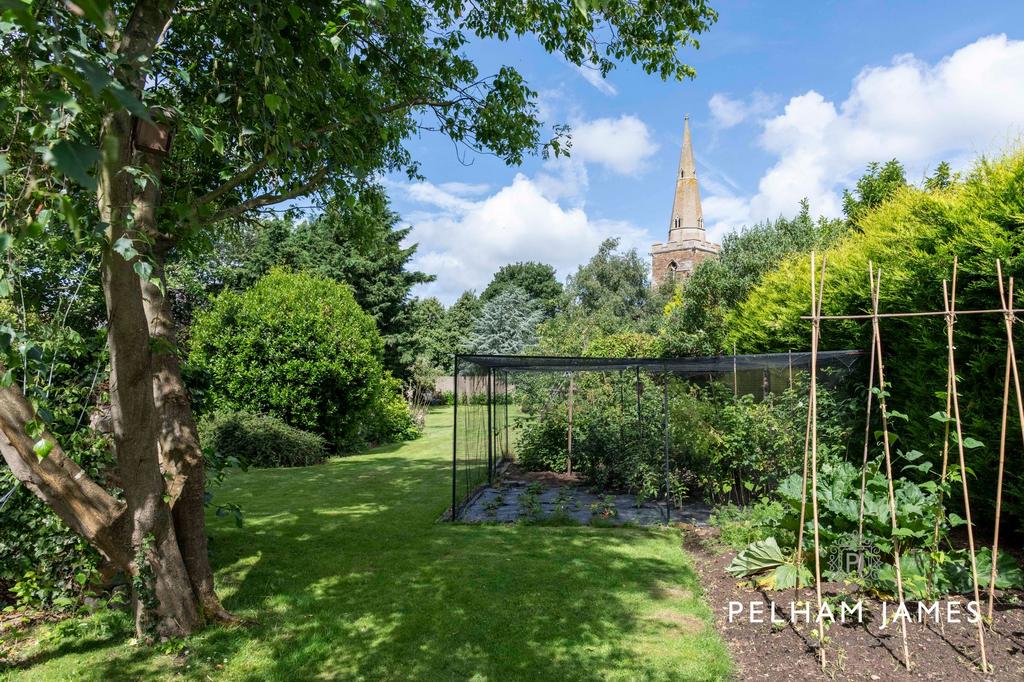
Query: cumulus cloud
x=966, y=104
x=464, y=243
x=727, y=112
x=466, y=232
x=622, y=144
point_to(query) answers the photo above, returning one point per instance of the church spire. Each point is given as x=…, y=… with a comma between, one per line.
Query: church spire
x=687, y=220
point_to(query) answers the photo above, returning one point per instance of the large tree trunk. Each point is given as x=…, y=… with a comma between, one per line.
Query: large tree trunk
x=181, y=456
x=162, y=596
x=161, y=593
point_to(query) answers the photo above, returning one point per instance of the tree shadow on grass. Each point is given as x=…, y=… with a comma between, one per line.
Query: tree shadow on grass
x=348, y=576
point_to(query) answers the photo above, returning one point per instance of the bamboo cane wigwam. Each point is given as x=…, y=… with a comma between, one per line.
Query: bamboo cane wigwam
x=952, y=415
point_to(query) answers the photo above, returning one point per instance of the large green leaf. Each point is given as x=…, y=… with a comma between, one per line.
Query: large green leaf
x=757, y=557
x=74, y=160
x=1009, y=575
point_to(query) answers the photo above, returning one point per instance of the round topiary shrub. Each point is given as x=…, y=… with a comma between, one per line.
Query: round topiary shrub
x=261, y=440
x=298, y=346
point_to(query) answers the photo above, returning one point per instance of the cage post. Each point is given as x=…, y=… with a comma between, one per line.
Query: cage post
x=790, y=353
x=490, y=424
x=803, y=495
x=508, y=447
x=639, y=421
x=622, y=413
x=664, y=428
x=572, y=390
x=735, y=389
x=455, y=433
x=876, y=338
x=950, y=321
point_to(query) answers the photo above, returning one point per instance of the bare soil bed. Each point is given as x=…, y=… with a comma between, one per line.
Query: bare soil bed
x=855, y=651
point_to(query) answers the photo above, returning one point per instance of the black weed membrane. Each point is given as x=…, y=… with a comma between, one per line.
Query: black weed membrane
x=721, y=429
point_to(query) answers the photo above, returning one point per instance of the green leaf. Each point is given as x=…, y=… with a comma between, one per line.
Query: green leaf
x=956, y=520
x=42, y=448
x=126, y=248
x=923, y=467
x=6, y=239
x=5, y=166
x=756, y=557
x=143, y=269
x=913, y=455
x=940, y=416
x=971, y=443
x=895, y=414
x=74, y=160
x=273, y=102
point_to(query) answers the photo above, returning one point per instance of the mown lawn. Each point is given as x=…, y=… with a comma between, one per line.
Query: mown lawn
x=346, y=575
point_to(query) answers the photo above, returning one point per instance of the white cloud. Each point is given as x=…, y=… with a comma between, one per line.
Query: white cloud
x=594, y=77
x=727, y=112
x=465, y=189
x=465, y=243
x=622, y=144
x=466, y=232
x=967, y=104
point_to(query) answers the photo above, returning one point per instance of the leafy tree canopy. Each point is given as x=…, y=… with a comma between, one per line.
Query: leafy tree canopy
x=879, y=183
x=695, y=318
x=538, y=280
x=609, y=294
x=507, y=324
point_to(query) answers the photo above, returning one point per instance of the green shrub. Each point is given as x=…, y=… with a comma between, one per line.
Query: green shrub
x=260, y=440
x=298, y=347
x=626, y=345
x=741, y=526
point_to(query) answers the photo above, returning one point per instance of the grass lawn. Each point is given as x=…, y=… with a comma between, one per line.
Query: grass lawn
x=346, y=575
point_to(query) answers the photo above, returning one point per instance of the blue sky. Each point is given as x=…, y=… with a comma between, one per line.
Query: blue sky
x=790, y=100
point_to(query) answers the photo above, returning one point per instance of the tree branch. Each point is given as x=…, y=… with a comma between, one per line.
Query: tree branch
x=79, y=501
x=262, y=200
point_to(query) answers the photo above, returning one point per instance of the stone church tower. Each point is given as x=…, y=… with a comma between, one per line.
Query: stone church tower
x=687, y=244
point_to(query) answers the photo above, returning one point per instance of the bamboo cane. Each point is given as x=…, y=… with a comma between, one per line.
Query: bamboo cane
x=807, y=436
x=803, y=495
x=940, y=508
x=875, y=294
x=950, y=319
x=816, y=307
x=864, y=462
x=1011, y=368
x=999, y=487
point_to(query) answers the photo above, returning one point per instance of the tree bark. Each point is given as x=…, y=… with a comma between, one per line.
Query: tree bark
x=162, y=597
x=181, y=455
x=62, y=485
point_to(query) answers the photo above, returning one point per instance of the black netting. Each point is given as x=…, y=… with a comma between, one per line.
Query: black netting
x=631, y=414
